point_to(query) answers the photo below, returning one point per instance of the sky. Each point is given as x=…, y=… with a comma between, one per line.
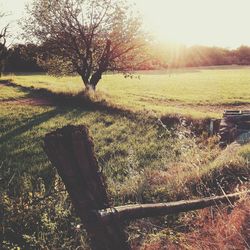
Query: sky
x=223, y=23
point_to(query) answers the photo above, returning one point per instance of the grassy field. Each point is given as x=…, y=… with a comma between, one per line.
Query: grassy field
x=199, y=92
x=142, y=160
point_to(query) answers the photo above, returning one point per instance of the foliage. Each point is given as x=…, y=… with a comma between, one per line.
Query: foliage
x=88, y=37
x=23, y=58
x=243, y=55
x=180, y=56
x=34, y=58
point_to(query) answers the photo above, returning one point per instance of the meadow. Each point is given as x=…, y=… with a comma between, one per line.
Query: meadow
x=143, y=159
x=196, y=92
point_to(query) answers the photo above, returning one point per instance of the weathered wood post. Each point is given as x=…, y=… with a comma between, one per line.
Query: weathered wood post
x=71, y=151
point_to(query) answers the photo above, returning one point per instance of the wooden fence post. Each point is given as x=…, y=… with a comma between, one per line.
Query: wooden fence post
x=71, y=151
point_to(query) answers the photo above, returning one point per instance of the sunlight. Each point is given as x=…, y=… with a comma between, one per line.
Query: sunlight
x=214, y=23
x=222, y=23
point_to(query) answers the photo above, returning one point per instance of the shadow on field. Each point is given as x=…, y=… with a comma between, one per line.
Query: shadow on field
x=80, y=100
x=34, y=121
x=85, y=102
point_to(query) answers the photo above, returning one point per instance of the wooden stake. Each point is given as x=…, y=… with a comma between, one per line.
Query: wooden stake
x=71, y=151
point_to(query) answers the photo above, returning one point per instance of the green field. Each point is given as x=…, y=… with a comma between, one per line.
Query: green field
x=199, y=92
x=142, y=160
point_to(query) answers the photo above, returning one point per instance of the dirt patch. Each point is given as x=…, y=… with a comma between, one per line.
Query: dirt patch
x=29, y=101
x=5, y=83
x=34, y=101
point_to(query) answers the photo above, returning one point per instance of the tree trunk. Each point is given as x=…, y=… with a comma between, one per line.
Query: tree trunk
x=1, y=222
x=96, y=77
x=84, y=80
x=90, y=85
x=1, y=68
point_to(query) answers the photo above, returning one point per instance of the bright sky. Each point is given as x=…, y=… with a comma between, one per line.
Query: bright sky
x=205, y=22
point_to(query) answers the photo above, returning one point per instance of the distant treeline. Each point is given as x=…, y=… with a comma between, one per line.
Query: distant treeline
x=27, y=58
x=23, y=58
x=196, y=56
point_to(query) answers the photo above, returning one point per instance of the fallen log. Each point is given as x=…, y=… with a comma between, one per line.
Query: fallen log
x=131, y=212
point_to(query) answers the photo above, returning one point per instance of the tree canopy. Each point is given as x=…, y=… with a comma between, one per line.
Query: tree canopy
x=89, y=37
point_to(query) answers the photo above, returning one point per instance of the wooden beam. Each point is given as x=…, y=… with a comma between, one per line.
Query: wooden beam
x=131, y=212
x=235, y=112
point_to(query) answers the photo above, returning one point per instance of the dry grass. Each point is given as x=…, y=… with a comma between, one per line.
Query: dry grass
x=222, y=229
x=208, y=229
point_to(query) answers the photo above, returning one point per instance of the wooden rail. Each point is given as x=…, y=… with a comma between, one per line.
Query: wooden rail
x=71, y=151
x=235, y=112
x=131, y=212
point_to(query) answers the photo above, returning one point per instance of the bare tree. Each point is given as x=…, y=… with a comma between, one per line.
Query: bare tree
x=3, y=48
x=89, y=37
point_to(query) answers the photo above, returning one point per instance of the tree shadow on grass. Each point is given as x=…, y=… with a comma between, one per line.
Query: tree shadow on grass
x=81, y=100
x=34, y=121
